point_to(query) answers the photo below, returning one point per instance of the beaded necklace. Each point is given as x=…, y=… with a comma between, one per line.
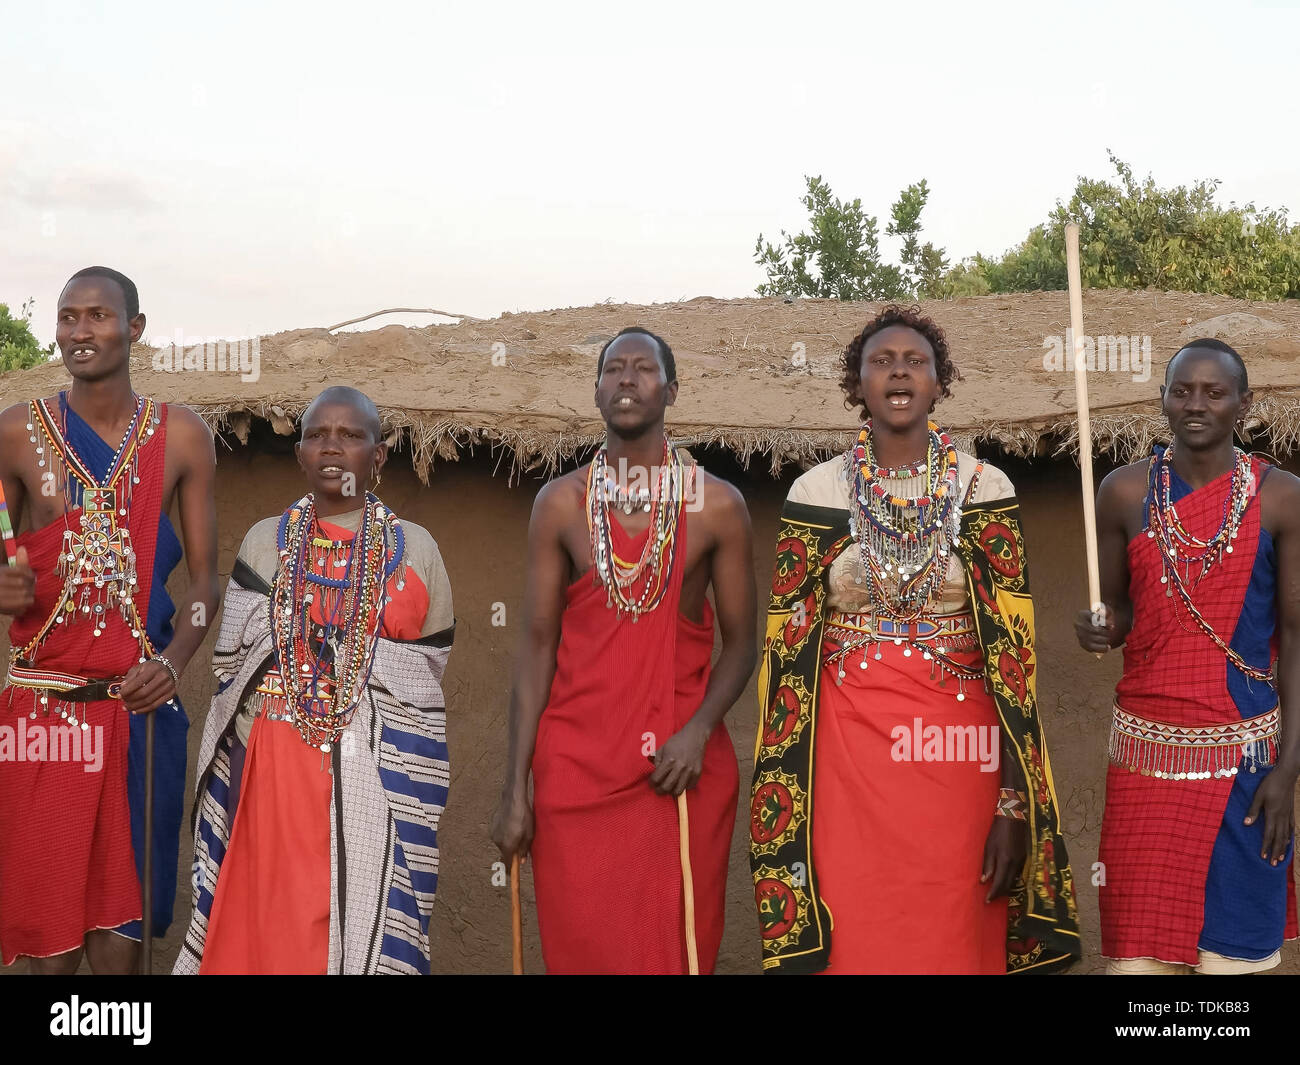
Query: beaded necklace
x=97, y=563
x=1181, y=552
x=325, y=671
x=653, y=569
x=904, y=542
x=1180, y=547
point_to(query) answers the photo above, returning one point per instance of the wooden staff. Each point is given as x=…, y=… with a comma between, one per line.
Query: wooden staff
x=1085, y=423
x=688, y=884
x=146, y=889
x=516, y=919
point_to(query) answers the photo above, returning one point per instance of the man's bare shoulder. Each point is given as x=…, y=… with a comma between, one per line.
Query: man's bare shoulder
x=184, y=421
x=559, y=497
x=13, y=420
x=1281, y=491
x=721, y=499
x=15, y=437
x=1126, y=483
x=190, y=440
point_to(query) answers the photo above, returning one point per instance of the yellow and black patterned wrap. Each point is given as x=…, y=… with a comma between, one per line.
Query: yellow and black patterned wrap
x=794, y=924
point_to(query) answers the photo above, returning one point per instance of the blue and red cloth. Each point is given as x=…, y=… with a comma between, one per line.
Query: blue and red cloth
x=1182, y=872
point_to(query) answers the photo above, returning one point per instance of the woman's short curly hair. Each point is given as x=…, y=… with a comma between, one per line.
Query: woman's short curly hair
x=895, y=314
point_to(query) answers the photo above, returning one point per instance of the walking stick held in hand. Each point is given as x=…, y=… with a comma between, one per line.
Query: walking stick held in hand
x=516, y=919
x=1085, y=423
x=146, y=889
x=688, y=884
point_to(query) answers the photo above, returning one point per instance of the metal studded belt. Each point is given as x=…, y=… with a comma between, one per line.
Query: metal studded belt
x=1192, y=752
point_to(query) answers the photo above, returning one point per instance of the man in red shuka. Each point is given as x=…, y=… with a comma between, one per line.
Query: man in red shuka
x=613, y=675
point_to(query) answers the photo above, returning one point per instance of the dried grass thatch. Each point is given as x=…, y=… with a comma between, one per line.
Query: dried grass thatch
x=759, y=377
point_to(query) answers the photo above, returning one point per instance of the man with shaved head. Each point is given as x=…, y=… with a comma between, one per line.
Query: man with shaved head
x=616, y=710
x=1200, y=577
x=323, y=769
x=97, y=644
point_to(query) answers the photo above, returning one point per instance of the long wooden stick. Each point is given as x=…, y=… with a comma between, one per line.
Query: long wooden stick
x=516, y=919
x=1085, y=422
x=146, y=889
x=688, y=884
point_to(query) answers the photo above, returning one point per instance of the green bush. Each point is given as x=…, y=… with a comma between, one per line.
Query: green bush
x=19, y=349
x=1132, y=234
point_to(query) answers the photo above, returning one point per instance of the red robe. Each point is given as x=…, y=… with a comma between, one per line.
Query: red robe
x=66, y=862
x=606, y=860
x=1158, y=836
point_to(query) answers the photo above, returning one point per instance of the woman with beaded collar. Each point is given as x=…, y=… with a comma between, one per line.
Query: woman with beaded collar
x=897, y=702
x=323, y=769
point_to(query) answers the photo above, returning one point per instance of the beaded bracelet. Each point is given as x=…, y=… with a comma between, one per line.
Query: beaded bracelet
x=1012, y=804
x=176, y=680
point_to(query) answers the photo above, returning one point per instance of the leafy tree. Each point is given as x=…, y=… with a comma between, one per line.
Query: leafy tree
x=19, y=348
x=1134, y=234
x=839, y=257
x=924, y=265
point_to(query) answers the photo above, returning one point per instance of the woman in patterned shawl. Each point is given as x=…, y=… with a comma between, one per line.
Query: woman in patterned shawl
x=897, y=702
x=323, y=770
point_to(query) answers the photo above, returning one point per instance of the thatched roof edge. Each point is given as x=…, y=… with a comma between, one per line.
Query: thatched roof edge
x=1125, y=433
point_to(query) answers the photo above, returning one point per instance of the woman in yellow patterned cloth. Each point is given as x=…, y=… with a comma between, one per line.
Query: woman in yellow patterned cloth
x=897, y=702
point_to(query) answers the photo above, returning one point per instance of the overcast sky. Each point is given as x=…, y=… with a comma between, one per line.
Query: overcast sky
x=258, y=167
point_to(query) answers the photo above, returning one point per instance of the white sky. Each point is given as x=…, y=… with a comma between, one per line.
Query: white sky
x=264, y=167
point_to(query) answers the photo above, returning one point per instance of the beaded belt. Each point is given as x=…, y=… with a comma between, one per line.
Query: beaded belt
x=936, y=636
x=65, y=689
x=68, y=687
x=845, y=627
x=271, y=689
x=1192, y=752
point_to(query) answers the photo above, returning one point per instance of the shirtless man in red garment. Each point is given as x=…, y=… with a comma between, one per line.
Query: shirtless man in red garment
x=574, y=858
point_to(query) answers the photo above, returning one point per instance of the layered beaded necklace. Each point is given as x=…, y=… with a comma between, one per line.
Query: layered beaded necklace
x=1178, y=547
x=652, y=571
x=325, y=668
x=904, y=541
x=97, y=561
x=1187, y=559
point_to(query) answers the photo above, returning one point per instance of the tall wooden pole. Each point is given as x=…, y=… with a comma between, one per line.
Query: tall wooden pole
x=688, y=884
x=1085, y=423
x=516, y=920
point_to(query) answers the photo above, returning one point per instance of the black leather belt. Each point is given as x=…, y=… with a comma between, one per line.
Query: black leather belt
x=93, y=692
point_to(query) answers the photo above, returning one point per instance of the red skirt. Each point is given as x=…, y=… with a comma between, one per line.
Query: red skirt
x=271, y=910
x=66, y=862
x=899, y=834
x=606, y=859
